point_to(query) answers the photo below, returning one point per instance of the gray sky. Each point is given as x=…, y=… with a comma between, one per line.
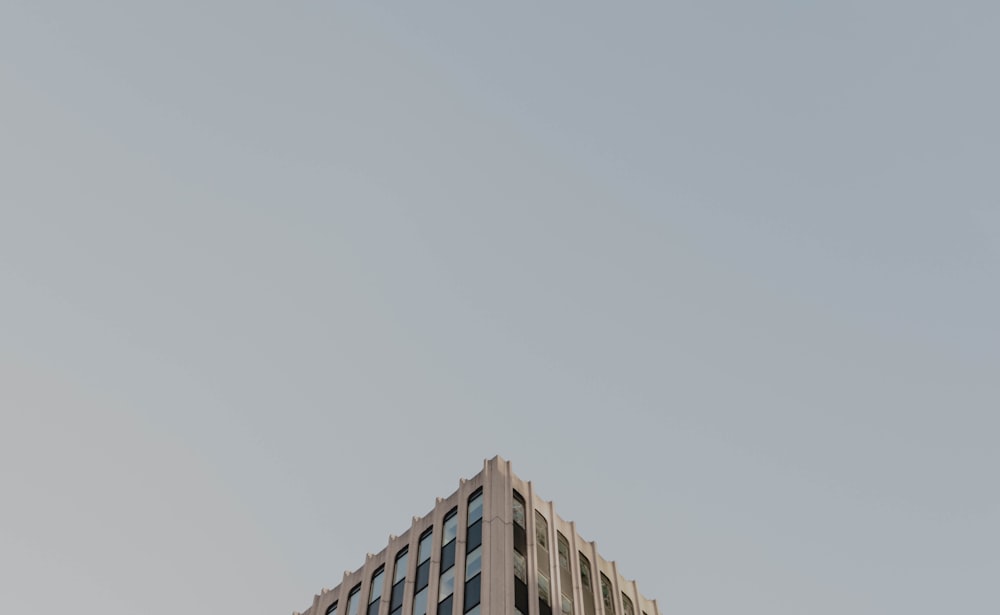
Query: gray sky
x=721, y=278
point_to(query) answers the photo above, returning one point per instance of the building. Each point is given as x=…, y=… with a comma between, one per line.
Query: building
x=491, y=548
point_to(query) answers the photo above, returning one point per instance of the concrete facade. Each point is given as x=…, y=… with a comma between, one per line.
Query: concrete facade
x=609, y=591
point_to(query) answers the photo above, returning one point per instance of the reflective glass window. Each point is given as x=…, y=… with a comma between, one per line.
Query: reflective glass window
x=450, y=527
x=541, y=531
x=332, y=609
x=352, y=601
x=420, y=602
x=473, y=563
x=401, y=560
x=376, y=588
x=607, y=596
x=424, y=548
x=626, y=605
x=544, y=593
x=563, y=546
x=519, y=510
x=585, y=573
x=447, y=585
x=475, y=508
x=520, y=567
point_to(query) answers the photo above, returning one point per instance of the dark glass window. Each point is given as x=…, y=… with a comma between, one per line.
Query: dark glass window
x=396, y=598
x=471, y=593
x=521, y=597
x=520, y=549
x=352, y=601
x=448, y=555
x=332, y=609
x=626, y=605
x=475, y=536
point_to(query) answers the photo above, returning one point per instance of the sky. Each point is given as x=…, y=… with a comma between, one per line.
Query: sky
x=720, y=278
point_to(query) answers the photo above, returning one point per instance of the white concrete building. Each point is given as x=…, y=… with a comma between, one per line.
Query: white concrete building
x=491, y=548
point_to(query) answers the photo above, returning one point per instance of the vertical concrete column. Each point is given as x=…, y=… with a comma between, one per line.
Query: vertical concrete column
x=498, y=539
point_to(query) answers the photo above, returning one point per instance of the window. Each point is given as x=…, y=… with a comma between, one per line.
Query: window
x=332, y=609
x=607, y=596
x=450, y=526
x=520, y=567
x=519, y=510
x=544, y=565
x=401, y=559
x=473, y=552
x=471, y=594
x=626, y=605
x=474, y=563
x=423, y=573
x=588, y=586
x=447, y=585
x=565, y=574
x=544, y=593
x=448, y=539
x=352, y=600
x=375, y=591
x=398, y=582
x=519, y=529
x=585, y=573
x=474, y=525
x=420, y=602
x=541, y=531
x=424, y=560
x=424, y=548
x=563, y=547
x=476, y=507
